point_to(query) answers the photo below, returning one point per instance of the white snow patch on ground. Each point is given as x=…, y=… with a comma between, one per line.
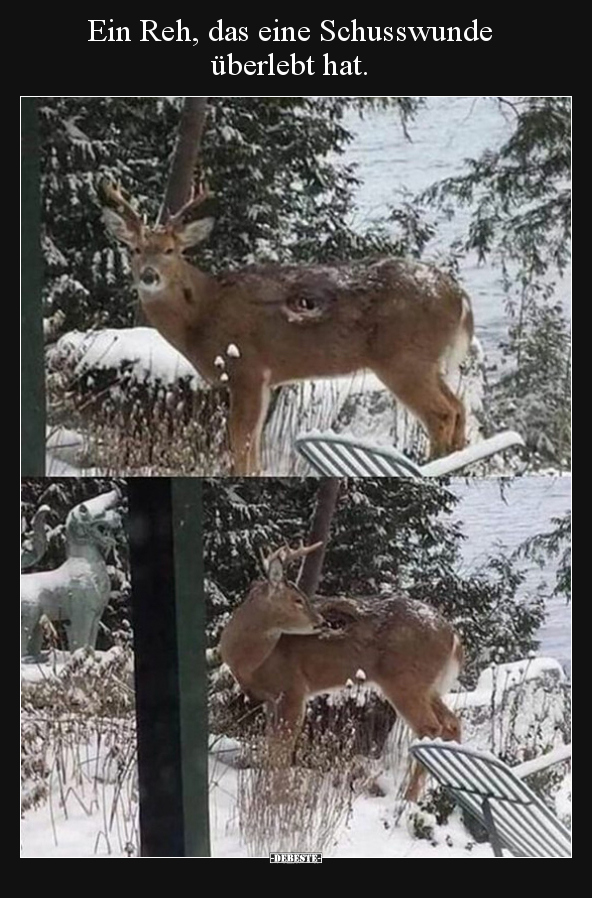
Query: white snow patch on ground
x=152, y=357
x=371, y=831
x=378, y=826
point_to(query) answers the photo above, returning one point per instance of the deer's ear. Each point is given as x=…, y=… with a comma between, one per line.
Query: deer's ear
x=275, y=572
x=119, y=227
x=195, y=232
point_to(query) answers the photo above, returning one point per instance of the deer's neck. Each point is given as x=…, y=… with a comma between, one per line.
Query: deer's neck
x=247, y=641
x=181, y=308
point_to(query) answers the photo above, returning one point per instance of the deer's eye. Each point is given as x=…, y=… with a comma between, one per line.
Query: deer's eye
x=299, y=602
x=169, y=251
x=137, y=250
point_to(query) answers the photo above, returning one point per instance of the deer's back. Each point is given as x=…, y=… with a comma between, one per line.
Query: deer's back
x=343, y=313
x=384, y=637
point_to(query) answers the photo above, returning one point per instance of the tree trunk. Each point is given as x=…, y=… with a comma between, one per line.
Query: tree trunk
x=310, y=572
x=182, y=169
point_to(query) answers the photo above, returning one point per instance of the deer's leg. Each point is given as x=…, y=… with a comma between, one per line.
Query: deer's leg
x=449, y=722
x=255, y=463
x=285, y=716
x=459, y=440
x=248, y=406
x=417, y=710
x=421, y=391
x=449, y=729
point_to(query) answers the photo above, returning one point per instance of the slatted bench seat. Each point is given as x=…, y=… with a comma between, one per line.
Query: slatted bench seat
x=339, y=455
x=515, y=817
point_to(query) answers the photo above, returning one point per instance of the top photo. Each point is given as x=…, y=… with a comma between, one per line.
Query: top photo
x=303, y=286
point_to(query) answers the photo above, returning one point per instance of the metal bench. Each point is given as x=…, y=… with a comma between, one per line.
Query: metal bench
x=339, y=455
x=515, y=817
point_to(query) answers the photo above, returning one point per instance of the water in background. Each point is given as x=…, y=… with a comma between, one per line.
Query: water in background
x=525, y=507
x=444, y=133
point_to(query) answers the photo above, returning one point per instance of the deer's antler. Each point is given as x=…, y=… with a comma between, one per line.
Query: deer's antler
x=114, y=197
x=287, y=555
x=195, y=200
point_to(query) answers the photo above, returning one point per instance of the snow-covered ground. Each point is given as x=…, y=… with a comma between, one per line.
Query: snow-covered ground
x=88, y=817
x=371, y=832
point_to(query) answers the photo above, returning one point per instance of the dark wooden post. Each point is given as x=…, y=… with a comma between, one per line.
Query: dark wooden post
x=169, y=639
x=32, y=361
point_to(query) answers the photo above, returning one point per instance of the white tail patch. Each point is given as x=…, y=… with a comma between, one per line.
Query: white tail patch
x=448, y=677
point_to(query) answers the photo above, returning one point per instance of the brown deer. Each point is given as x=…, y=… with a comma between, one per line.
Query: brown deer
x=281, y=651
x=261, y=326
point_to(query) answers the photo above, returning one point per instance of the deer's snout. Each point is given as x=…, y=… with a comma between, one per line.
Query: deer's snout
x=149, y=277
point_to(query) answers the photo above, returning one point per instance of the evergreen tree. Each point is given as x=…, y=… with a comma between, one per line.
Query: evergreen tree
x=519, y=202
x=271, y=163
x=550, y=545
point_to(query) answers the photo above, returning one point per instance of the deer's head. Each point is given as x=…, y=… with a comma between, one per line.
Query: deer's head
x=155, y=253
x=286, y=605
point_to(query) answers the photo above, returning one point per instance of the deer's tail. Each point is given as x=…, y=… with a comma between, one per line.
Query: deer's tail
x=462, y=342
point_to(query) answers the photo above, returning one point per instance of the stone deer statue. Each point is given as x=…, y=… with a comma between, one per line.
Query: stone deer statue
x=76, y=592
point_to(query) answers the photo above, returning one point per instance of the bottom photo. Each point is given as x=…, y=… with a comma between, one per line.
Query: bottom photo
x=296, y=669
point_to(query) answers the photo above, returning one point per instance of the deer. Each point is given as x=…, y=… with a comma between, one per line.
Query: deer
x=282, y=651
x=258, y=327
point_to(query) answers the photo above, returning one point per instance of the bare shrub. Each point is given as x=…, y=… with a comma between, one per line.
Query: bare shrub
x=301, y=807
x=79, y=743
x=298, y=808
x=131, y=426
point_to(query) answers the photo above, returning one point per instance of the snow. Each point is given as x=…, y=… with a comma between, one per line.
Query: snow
x=371, y=831
x=92, y=822
x=77, y=835
x=518, y=672
x=553, y=757
x=496, y=680
x=151, y=357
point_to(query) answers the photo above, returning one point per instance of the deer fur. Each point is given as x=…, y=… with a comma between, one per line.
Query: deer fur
x=261, y=326
x=280, y=651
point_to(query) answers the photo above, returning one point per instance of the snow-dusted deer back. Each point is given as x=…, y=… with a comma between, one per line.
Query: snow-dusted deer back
x=281, y=651
x=261, y=326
